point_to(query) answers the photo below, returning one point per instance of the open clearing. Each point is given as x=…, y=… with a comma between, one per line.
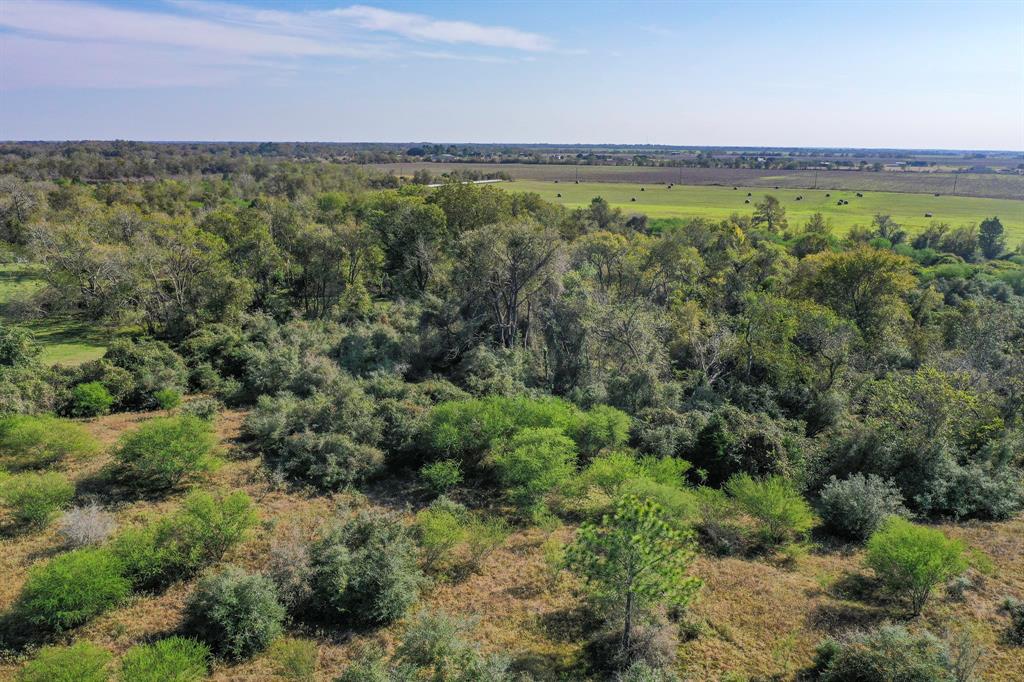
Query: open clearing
x=755, y=619
x=64, y=341
x=716, y=203
x=999, y=186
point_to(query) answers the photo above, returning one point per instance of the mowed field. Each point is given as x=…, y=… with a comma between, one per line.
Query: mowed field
x=64, y=341
x=716, y=203
x=990, y=185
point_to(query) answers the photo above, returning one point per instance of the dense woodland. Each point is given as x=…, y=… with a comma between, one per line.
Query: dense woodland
x=749, y=388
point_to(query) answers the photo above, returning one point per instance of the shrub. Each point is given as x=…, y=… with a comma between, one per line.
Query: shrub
x=1015, y=609
x=203, y=408
x=440, y=477
x=174, y=659
x=153, y=367
x=38, y=441
x=290, y=567
x=90, y=399
x=533, y=463
x=645, y=672
x=439, y=529
x=84, y=526
x=73, y=588
x=236, y=613
x=435, y=646
x=163, y=451
x=600, y=428
x=34, y=498
x=887, y=653
x=483, y=536
x=780, y=509
x=294, y=659
x=179, y=544
x=167, y=398
x=720, y=529
x=911, y=560
x=365, y=570
x=80, y=662
x=857, y=506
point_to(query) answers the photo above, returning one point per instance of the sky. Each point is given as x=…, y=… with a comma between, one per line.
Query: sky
x=905, y=74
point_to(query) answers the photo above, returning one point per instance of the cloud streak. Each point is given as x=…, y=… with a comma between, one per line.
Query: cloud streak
x=61, y=43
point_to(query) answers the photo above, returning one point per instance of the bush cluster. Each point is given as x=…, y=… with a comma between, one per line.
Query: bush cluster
x=235, y=612
x=34, y=498
x=73, y=588
x=88, y=525
x=79, y=662
x=90, y=399
x=889, y=652
x=28, y=442
x=857, y=506
x=164, y=451
x=174, y=659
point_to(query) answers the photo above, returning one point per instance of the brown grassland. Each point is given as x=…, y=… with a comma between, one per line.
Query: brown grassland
x=754, y=619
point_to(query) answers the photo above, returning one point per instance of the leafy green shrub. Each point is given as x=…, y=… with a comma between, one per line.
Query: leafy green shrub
x=35, y=497
x=165, y=450
x=888, y=653
x=532, y=463
x=167, y=398
x=37, y=441
x=235, y=612
x=179, y=544
x=365, y=570
x=153, y=367
x=782, y=512
x=856, y=507
x=72, y=588
x=294, y=659
x=174, y=659
x=290, y=567
x=911, y=560
x=80, y=662
x=441, y=476
x=642, y=671
x=90, y=399
x=328, y=440
x=439, y=529
x=719, y=525
x=600, y=428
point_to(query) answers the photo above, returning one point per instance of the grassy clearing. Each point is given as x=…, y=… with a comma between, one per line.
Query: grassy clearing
x=64, y=341
x=716, y=203
x=754, y=619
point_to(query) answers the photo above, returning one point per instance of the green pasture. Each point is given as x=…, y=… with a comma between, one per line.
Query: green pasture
x=64, y=341
x=690, y=201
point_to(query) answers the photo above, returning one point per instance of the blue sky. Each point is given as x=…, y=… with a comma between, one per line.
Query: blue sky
x=865, y=74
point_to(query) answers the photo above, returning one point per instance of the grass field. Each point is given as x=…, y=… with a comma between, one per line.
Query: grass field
x=688, y=201
x=64, y=341
x=991, y=185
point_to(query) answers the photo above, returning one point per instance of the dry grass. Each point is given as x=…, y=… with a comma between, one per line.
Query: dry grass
x=756, y=619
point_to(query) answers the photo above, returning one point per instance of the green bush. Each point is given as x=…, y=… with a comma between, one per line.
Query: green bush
x=28, y=442
x=174, y=659
x=601, y=428
x=294, y=659
x=235, y=612
x=34, y=498
x=888, y=653
x=782, y=512
x=911, y=560
x=72, y=588
x=80, y=662
x=90, y=399
x=856, y=507
x=532, y=463
x=440, y=529
x=179, y=544
x=203, y=408
x=153, y=367
x=718, y=523
x=167, y=398
x=165, y=450
x=435, y=646
x=440, y=477
x=365, y=570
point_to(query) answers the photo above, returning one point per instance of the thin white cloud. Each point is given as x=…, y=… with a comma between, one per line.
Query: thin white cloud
x=66, y=43
x=420, y=27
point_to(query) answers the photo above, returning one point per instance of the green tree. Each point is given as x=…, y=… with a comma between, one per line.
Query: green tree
x=911, y=560
x=771, y=214
x=533, y=463
x=991, y=237
x=635, y=559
